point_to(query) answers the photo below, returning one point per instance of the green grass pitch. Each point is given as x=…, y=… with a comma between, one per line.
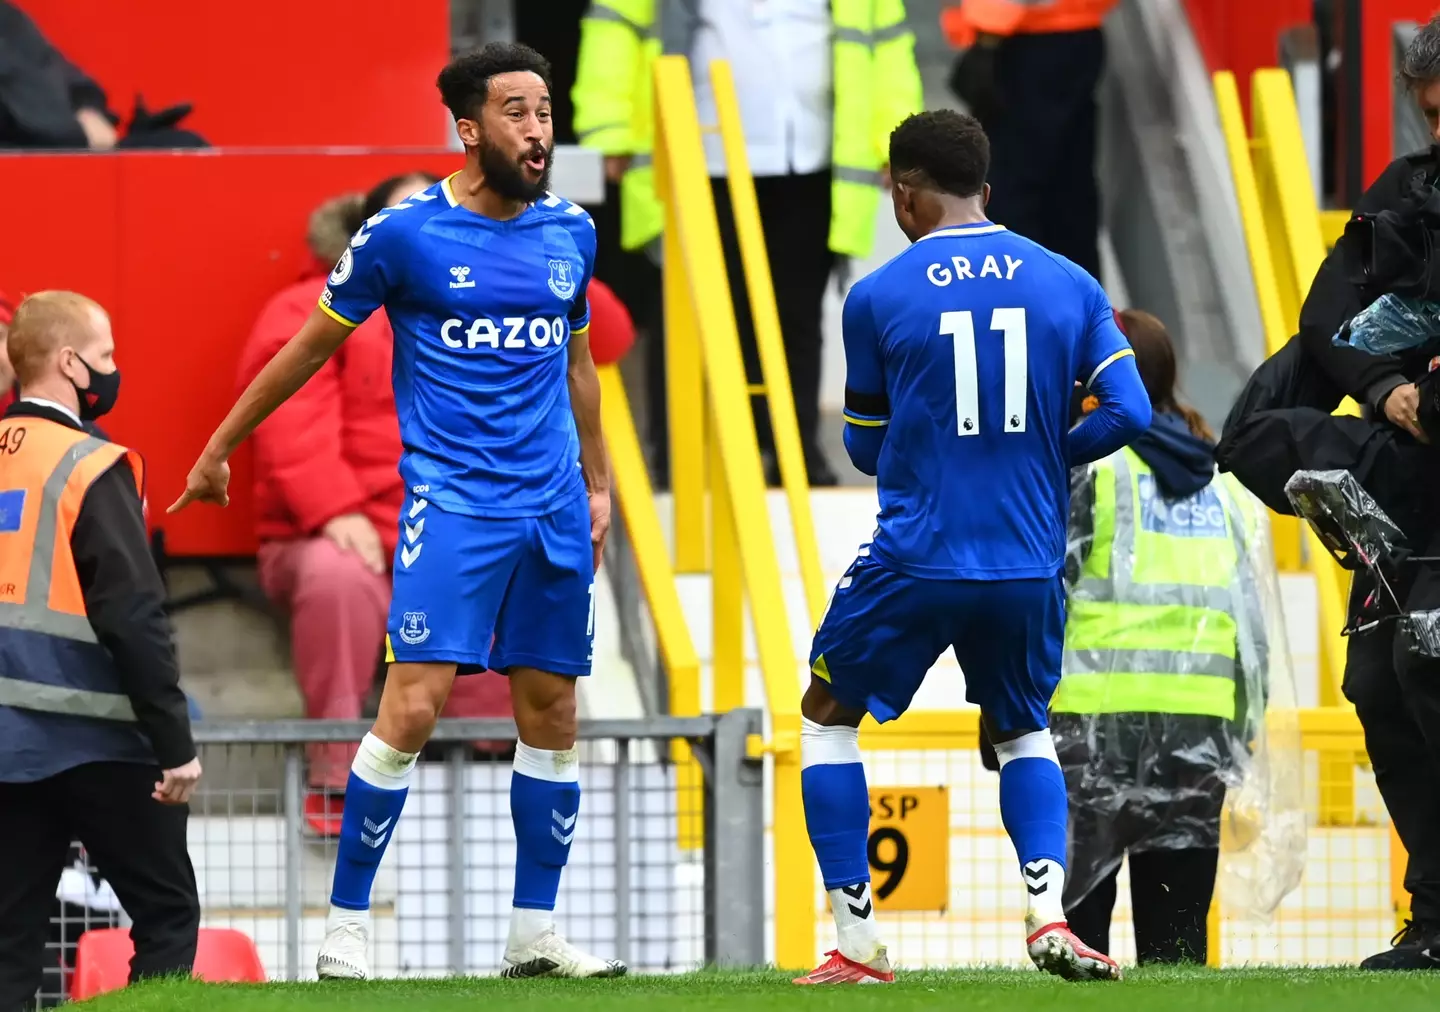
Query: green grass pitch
x=1171, y=990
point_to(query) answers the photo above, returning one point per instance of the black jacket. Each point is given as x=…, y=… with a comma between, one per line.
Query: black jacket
x=1332, y=300
x=125, y=601
x=40, y=90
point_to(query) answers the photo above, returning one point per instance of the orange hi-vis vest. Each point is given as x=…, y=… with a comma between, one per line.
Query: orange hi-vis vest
x=50, y=660
x=962, y=21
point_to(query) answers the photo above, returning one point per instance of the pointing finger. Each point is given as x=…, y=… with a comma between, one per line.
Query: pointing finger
x=185, y=500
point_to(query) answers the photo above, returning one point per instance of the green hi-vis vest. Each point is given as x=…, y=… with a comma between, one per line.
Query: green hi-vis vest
x=1152, y=625
x=877, y=84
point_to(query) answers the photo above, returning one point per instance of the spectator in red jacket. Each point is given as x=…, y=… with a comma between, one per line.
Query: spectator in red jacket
x=327, y=502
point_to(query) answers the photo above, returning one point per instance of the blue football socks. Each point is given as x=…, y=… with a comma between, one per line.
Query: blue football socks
x=1035, y=812
x=374, y=796
x=837, y=817
x=545, y=808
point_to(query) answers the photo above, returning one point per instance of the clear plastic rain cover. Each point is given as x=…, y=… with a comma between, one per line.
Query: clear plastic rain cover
x=1362, y=536
x=1150, y=781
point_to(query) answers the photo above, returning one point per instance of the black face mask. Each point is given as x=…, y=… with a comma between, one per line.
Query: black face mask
x=99, y=397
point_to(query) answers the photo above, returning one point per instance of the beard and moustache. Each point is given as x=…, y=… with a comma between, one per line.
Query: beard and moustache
x=506, y=176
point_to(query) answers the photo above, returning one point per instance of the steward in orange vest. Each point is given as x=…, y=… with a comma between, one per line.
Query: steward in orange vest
x=95, y=740
x=57, y=682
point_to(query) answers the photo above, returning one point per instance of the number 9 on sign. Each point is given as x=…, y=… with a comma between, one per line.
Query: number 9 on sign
x=909, y=848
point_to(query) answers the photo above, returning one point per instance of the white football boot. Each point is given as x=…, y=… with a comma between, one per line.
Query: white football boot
x=549, y=955
x=343, y=953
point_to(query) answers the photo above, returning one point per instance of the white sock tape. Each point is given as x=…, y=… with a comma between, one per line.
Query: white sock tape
x=1035, y=745
x=827, y=746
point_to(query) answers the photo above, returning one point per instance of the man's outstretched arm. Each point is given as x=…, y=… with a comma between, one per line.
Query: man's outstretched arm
x=301, y=357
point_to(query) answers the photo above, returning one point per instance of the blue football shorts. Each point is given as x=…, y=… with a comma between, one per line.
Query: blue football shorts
x=525, y=584
x=884, y=631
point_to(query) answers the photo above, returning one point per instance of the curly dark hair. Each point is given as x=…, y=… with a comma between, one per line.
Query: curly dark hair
x=464, y=83
x=941, y=150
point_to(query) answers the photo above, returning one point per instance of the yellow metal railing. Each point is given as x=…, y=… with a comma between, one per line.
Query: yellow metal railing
x=1341, y=913
x=719, y=494
x=713, y=439
x=768, y=340
x=636, y=500
x=1287, y=236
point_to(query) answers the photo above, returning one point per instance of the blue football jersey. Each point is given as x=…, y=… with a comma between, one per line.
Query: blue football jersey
x=482, y=312
x=968, y=344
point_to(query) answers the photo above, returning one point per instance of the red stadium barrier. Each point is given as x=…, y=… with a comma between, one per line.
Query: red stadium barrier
x=183, y=249
x=267, y=73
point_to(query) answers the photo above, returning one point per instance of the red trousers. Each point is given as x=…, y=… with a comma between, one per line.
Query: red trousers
x=337, y=611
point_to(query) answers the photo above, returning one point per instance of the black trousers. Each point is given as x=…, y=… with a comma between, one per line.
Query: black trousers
x=1042, y=146
x=1170, y=894
x=1397, y=698
x=795, y=214
x=1148, y=786
x=135, y=842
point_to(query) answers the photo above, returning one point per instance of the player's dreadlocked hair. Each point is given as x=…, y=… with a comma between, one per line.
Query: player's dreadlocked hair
x=941, y=150
x=465, y=81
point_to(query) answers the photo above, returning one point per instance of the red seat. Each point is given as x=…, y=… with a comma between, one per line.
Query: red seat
x=102, y=960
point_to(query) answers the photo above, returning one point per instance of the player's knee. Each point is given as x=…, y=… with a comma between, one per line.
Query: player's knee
x=545, y=709
x=413, y=710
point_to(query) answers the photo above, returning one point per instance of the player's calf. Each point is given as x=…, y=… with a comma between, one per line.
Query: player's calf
x=545, y=810
x=1034, y=809
x=837, y=817
x=374, y=797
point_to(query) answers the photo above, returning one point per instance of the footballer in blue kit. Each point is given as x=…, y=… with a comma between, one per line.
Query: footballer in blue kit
x=484, y=278
x=962, y=354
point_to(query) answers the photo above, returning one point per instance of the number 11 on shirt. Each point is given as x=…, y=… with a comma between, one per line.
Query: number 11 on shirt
x=960, y=325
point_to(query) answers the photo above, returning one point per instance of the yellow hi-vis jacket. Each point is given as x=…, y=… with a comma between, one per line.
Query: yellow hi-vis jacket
x=1153, y=617
x=877, y=84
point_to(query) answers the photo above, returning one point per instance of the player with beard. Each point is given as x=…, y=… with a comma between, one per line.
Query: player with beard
x=484, y=278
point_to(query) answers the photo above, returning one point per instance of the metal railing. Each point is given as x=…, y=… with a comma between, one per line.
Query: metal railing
x=442, y=895
x=1344, y=909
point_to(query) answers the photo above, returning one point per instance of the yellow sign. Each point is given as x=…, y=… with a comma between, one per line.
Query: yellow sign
x=909, y=848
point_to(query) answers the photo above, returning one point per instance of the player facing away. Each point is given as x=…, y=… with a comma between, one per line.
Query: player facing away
x=484, y=278
x=961, y=354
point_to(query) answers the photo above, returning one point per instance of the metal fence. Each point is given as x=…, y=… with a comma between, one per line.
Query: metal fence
x=1345, y=908
x=442, y=896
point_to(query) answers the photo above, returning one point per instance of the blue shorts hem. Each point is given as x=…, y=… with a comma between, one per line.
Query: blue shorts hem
x=459, y=658
x=569, y=669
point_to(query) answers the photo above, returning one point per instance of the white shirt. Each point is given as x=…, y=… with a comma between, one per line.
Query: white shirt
x=780, y=55
x=52, y=404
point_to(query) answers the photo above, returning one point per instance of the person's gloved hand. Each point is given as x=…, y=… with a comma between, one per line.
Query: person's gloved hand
x=974, y=80
x=145, y=121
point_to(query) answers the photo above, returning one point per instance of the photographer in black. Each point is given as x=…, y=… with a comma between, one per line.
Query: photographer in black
x=1396, y=691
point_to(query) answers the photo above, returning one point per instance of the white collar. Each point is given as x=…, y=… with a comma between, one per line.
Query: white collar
x=52, y=404
x=979, y=228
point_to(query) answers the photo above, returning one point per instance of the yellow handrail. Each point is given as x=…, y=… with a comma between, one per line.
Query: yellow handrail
x=1293, y=223
x=768, y=340
x=636, y=500
x=1284, y=531
x=737, y=489
x=1287, y=235
x=1320, y=729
